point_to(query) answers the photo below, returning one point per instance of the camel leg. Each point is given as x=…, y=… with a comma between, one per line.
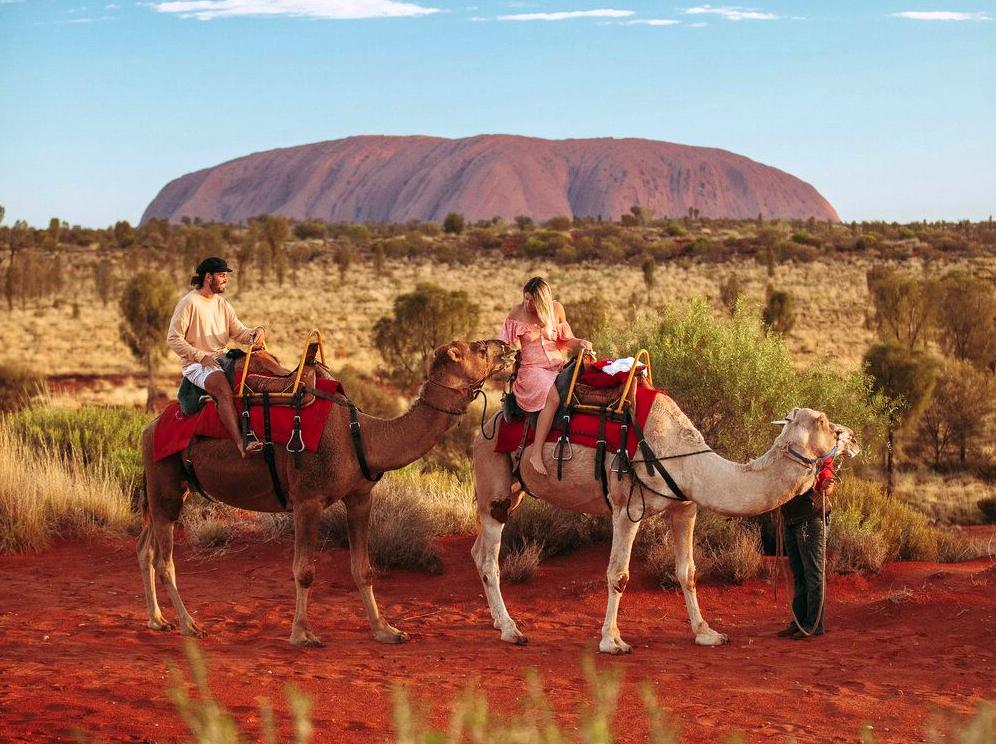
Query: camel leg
x=147, y=565
x=163, y=535
x=623, y=533
x=358, y=525
x=682, y=526
x=307, y=517
x=485, y=551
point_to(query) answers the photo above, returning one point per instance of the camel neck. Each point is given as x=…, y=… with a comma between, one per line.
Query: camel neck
x=741, y=489
x=390, y=444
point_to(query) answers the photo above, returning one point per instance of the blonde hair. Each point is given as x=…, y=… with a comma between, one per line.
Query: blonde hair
x=543, y=302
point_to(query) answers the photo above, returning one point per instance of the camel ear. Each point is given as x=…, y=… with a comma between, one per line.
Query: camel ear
x=454, y=353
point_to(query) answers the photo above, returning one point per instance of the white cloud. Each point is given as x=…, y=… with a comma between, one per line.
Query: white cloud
x=733, y=13
x=942, y=15
x=652, y=22
x=567, y=14
x=205, y=10
x=112, y=6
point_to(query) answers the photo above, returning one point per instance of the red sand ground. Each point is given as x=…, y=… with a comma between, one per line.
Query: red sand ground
x=75, y=653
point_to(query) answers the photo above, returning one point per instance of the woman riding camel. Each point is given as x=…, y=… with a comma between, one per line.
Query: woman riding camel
x=538, y=326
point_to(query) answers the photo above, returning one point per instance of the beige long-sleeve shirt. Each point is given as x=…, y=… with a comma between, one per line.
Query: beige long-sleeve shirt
x=202, y=327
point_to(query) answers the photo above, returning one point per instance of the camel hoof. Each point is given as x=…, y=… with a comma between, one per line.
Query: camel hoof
x=392, y=636
x=711, y=638
x=515, y=637
x=161, y=625
x=616, y=647
x=307, y=640
x=193, y=631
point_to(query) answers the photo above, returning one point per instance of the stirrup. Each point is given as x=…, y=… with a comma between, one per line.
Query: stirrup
x=558, y=449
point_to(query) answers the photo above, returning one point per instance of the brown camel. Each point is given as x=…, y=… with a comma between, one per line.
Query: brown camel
x=456, y=373
x=709, y=481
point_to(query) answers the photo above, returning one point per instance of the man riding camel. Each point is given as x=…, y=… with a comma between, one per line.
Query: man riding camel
x=202, y=325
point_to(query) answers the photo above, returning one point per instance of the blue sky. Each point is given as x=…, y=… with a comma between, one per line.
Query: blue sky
x=887, y=108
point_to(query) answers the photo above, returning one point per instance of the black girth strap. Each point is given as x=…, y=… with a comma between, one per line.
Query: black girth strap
x=600, y=459
x=188, y=468
x=247, y=433
x=517, y=458
x=651, y=460
x=268, y=452
x=354, y=430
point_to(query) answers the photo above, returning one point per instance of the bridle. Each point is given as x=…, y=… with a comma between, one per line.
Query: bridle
x=469, y=392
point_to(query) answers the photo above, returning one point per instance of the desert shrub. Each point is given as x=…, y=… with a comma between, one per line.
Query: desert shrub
x=729, y=292
x=904, y=530
x=855, y=543
x=18, y=385
x=209, y=535
x=44, y=497
x=559, y=223
x=421, y=321
x=369, y=396
x=732, y=377
x=726, y=550
x=587, y=316
x=410, y=511
x=988, y=508
x=146, y=306
x=453, y=223
x=107, y=438
x=779, y=311
x=520, y=565
x=559, y=531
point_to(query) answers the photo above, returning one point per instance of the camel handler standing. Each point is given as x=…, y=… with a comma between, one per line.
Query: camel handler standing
x=807, y=520
x=202, y=325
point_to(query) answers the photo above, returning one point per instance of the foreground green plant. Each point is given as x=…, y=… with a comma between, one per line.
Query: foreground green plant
x=102, y=436
x=43, y=497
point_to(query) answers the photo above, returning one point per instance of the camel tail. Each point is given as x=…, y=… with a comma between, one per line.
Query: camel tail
x=143, y=497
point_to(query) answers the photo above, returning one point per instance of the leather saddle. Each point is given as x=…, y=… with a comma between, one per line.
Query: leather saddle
x=266, y=374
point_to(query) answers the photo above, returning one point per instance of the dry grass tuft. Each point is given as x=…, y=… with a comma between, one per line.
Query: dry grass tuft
x=410, y=511
x=519, y=566
x=43, y=497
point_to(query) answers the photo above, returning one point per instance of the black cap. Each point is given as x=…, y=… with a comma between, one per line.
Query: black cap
x=212, y=265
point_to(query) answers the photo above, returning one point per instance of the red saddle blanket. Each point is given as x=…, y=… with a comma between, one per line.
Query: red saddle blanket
x=583, y=429
x=174, y=430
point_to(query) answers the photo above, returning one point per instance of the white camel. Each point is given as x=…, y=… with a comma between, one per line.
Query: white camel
x=708, y=480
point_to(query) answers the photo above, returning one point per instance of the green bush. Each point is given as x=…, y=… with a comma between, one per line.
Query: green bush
x=369, y=396
x=95, y=436
x=18, y=385
x=732, y=377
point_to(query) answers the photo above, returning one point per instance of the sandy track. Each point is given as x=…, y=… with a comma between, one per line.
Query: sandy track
x=75, y=655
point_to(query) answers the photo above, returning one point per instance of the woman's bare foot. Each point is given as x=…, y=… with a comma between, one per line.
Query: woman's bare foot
x=537, y=462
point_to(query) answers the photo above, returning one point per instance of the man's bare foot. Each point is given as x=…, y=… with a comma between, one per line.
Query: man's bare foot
x=252, y=448
x=537, y=462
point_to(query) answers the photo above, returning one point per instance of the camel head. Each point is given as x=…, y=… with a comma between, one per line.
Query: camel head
x=462, y=364
x=813, y=436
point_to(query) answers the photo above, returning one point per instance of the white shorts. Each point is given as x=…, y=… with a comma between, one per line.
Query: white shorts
x=198, y=373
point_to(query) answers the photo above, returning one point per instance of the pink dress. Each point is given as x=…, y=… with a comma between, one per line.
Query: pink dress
x=540, y=362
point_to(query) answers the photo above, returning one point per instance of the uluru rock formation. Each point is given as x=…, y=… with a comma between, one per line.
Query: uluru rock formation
x=396, y=179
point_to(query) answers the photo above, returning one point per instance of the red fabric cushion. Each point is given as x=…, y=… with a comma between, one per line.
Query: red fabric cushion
x=594, y=376
x=583, y=429
x=174, y=430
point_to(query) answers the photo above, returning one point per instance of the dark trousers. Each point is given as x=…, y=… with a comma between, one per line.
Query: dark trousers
x=805, y=546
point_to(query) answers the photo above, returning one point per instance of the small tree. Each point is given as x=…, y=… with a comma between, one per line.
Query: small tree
x=960, y=410
x=730, y=291
x=453, y=224
x=779, y=311
x=421, y=321
x=523, y=222
x=905, y=377
x=966, y=318
x=146, y=308
x=648, y=266
x=103, y=280
x=560, y=223
x=904, y=306
x=344, y=256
